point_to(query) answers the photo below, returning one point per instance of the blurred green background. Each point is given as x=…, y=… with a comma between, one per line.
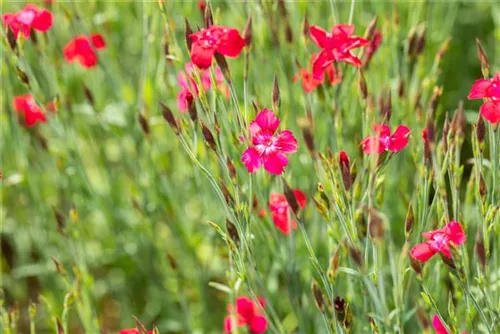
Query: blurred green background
x=115, y=207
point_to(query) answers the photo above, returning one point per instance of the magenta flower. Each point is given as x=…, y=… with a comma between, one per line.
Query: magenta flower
x=488, y=89
x=439, y=241
x=384, y=141
x=31, y=17
x=336, y=46
x=268, y=149
x=439, y=327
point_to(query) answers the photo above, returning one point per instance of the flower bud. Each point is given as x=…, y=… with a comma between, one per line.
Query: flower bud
x=276, y=92
x=209, y=137
x=480, y=130
x=409, y=221
x=169, y=117
x=290, y=198
x=208, y=19
x=362, y=85
x=356, y=256
x=344, y=164
x=480, y=250
x=187, y=32
x=143, y=122
x=318, y=296
x=233, y=232
x=247, y=33
x=221, y=61
x=483, y=58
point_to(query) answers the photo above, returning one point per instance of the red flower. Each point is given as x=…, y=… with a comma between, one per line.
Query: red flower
x=384, y=141
x=247, y=313
x=309, y=83
x=439, y=326
x=81, y=48
x=488, y=89
x=32, y=113
x=132, y=331
x=372, y=47
x=30, y=17
x=280, y=210
x=268, y=149
x=344, y=160
x=206, y=42
x=439, y=241
x=336, y=46
x=189, y=88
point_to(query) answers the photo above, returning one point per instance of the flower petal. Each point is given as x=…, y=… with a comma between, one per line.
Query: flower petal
x=399, y=139
x=276, y=163
x=318, y=35
x=490, y=110
x=258, y=324
x=201, y=56
x=231, y=43
x=251, y=159
x=266, y=121
x=301, y=197
x=422, y=252
x=98, y=41
x=42, y=21
x=455, y=232
x=479, y=89
x=324, y=59
x=438, y=325
x=286, y=142
x=372, y=145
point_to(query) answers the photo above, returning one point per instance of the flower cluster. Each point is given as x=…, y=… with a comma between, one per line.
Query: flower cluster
x=31, y=17
x=82, y=49
x=280, y=210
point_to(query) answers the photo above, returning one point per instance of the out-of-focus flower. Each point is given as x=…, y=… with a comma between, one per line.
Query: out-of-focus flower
x=248, y=314
x=268, y=149
x=439, y=326
x=384, y=141
x=336, y=46
x=279, y=208
x=82, y=49
x=309, y=83
x=189, y=88
x=31, y=112
x=132, y=331
x=439, y=241
x=206, y=42
x=31, y=17
x=488, y=89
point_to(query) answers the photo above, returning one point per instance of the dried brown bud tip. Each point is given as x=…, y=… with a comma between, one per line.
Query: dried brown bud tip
x=231, y=168
x=362, y=85
x=247, y=33
x=169, y=117
x=209, y=137
x=276, y=91
x=143, y=122
x=305, y=27
x=483, y=58
x=410, y=220
x=356, y=256
x=227, y=194
x=187, y=34
x=318, y=296
x=208, y=19
x=233, y=232
x=480, y=129
x=290, y=198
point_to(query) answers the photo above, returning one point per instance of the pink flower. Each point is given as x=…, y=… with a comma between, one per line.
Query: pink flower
x=439, y=326
x=280, y=210
x=309, y=83
x=31, y=17
x=439, y=241
x=336, y=46
x=81, y=48
x=247, y=314
x=384, y=141
x=206, y=42
x=31, y=112
x=189, y=88
x=372, y=47
x=268, y=149
x=488, y=89
x=132, y=331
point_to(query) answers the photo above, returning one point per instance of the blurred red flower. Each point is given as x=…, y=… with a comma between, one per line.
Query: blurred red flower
x=488, y=89
x=189, y=88
x=132, y=331
x=206, y=42
x=280, y=210
x=439, y=326
x=31, y=17
x=31, y=112
x=309, y=83
x=247, y=314
x=384, y=141
x=336, y=46
x=268, y=149
x=439, y=241
x=82, y=49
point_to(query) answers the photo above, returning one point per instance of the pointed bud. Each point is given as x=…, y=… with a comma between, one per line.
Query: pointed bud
x=288, y=33
x=412, y=42
x=356, y=256
x=255, y=107
x=483, y=58
x=362, y=85
x=143, y=122
x=169, y=117
x=335, y=261
x=60, y=328
x=401, y=88
x=140, y=327
x=208, y=19
x=209, y=137
x=59, y=219
x=247, y=33
x=443, y=49
x=276, y=92
x=23, y=77
x=446, y=131
x=309, y=140
x=345, y=164
x=480, y=130
x=416, y=266
x=318, y=296
x=227, y=194
x=370, y=29
x=221, y=61
x=187, y=34
x=233, y=232
x=448, y=261
x=193, y=113
x=385, y=104
x=231, y=168
x=11, y=38
x=434, y=101
x=171, y=261
x=376, y=224
x=290, y=198
x=482, y=186
x=421, y=42
x=480, y=251
x=59, y=267
x=305, y=27
x=410, y=220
